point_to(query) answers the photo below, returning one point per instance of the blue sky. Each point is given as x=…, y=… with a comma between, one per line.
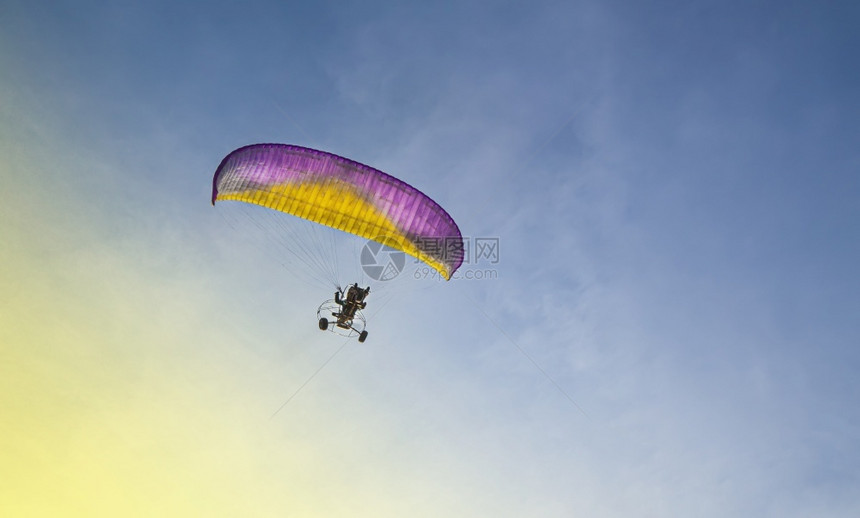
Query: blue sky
x=673, y=185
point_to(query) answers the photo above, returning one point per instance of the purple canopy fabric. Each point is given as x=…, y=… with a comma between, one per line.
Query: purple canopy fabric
x=343, y=194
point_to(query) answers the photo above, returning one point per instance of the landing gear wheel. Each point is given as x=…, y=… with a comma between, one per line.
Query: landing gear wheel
x=362, y=337
x=330, y=318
